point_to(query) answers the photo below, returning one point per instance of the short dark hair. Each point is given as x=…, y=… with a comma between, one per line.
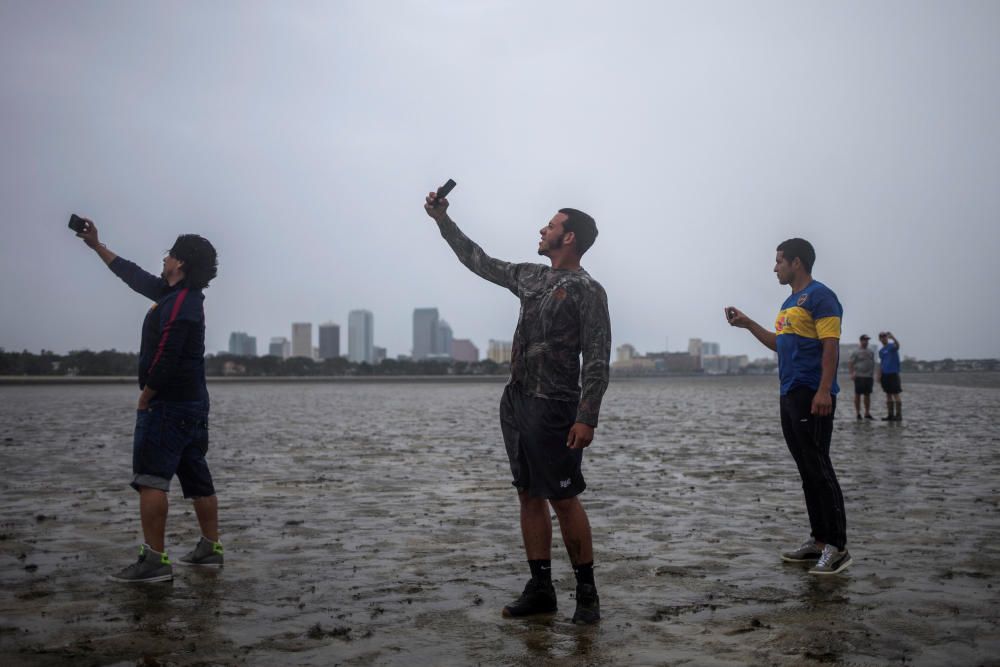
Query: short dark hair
x=583, y=227
x=800, y=248
x=200, y=260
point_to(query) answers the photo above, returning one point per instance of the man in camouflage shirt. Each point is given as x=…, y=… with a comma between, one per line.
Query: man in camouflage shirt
x=546, y=417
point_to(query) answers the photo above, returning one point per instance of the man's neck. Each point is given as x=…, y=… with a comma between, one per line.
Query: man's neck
x=565, y=262
x=173, y=280
x=800, y=282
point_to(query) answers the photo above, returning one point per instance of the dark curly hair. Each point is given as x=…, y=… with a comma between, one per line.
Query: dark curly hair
x=200, y=260
x=583, y=227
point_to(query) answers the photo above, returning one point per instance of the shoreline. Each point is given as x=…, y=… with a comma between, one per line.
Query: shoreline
x=980, y=379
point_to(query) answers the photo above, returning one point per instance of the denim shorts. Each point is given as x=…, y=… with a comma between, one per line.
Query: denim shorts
x=171, y=438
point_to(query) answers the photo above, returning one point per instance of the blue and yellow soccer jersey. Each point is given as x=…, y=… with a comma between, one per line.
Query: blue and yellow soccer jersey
x=806, y=317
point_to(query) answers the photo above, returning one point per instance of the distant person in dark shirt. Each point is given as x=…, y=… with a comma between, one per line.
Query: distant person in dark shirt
x=862, y=366
x=171, y=431
x=888, y=369
x=547, y=418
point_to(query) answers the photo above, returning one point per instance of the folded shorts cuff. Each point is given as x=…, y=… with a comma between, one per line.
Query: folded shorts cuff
x=150, y=481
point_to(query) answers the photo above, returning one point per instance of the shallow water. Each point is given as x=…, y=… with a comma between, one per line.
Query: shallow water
x=376, y=524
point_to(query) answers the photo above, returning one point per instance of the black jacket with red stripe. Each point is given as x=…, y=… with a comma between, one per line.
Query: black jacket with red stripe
x=172, y=353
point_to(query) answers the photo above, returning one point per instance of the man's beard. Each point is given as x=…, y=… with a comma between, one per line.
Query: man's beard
x=555, y=245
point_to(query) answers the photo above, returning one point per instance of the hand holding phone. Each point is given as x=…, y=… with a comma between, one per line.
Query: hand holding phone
x=436, y=205
x=443, y=191
x=77, y=224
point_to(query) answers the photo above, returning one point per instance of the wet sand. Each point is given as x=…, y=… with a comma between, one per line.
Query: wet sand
x=375, y=525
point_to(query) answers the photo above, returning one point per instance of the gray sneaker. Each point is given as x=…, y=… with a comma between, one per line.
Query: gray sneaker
x=831, y=561
x=807, y=553
x=147, y=569
x=206, y=553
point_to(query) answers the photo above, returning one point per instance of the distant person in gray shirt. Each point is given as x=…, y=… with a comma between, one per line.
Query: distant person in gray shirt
x=550, y=406
x=862, y=365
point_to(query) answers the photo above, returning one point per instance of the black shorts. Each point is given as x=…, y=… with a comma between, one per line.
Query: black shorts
x=171, y=438
x=535, y=432
x=890, y=383
x=863, y=386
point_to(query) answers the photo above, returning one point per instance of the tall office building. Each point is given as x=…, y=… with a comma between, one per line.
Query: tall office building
x=329, y=341
x=302, y=334
x=499, y=351
x=280, y=347
x=361, y=336
x=242, y=344
x=709, y=349
x=694, y=347
x=380, y=353
x=463, y=349
x=425, y=332
x=627, y=352
x=443, y=341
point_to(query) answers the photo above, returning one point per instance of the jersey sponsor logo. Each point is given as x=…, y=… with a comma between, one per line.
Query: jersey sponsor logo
x=802, y=299
x=781, y=323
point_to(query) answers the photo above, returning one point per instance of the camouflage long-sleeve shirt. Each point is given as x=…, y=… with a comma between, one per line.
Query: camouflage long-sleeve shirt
x=563, y=314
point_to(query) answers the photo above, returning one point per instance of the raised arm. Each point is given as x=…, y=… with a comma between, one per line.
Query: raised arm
x=737, y=318
x=142, y=282
x=471, y=255
x=893, y=338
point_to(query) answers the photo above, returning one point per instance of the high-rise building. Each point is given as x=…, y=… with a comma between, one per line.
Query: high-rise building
x=463, y=349
x=694, y=347
x=361, y=336
x=626, y=352
x=425, y=332
x=302, y=333
x=499, y=351
x=443, y=340
x=242, y=344
x=380, y=353
x=709, y=349
x=329, y=341
x=280, y=347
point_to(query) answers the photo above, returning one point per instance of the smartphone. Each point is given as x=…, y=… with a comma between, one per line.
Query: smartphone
x=76, y=223
x=443, y=191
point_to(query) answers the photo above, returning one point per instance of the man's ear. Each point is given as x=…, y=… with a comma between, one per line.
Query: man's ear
x=569, y=238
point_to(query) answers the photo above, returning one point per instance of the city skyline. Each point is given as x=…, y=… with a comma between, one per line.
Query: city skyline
x=703, y=135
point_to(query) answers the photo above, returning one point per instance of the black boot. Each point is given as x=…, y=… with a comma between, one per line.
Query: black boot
x=588, y=605
x=538, y=598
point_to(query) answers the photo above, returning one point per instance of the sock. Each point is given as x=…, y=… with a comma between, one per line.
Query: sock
x=541, y=569
x=584, y=573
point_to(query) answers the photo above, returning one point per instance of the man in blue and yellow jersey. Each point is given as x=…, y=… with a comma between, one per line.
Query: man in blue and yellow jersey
x=806, y=337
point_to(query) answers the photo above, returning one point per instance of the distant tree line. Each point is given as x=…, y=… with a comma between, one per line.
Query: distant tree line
x=112, y=362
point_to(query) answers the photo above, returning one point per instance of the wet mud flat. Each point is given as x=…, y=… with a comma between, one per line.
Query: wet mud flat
x=375, y=525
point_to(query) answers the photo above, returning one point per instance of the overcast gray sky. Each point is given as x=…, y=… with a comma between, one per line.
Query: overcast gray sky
x=302, y=137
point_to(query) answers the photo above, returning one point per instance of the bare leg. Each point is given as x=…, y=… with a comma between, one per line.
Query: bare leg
x=857, y=403
x=575, y=528
x=536, y=527
x=207, y=510
x=153, y=514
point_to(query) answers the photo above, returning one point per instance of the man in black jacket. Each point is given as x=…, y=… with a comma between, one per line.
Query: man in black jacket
x=171, y=431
